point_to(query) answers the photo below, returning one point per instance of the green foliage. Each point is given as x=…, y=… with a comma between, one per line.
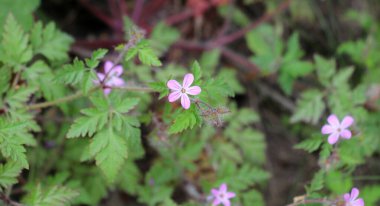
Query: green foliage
x=15, y=38
x=161, y=88
x=162, y=37
x=184, y=120
x=310, y=107
x=94, y=119
x=317, y=183
x=145, y=53
x=22, y=10
x=110, y=151
x=311, y=144
x=56, y=195
x=9, y=173
x=50, y=42
x=271, y=55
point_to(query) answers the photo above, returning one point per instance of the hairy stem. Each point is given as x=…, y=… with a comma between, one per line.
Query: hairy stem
x=55, y=102
x=80, y=94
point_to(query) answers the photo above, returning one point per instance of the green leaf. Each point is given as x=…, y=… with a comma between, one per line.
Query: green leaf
x=338, y=182
x=126, y=104
x=160, y=87
x=147, y=57
x=50, y=42
x=130, y=178
x=96, y=56
x=216, y=90
x=92, y=121
x=309, y=108
x=264, y=41
x=5, y=78
x=163, y=37
x=14, y=38
x=370, y=194
x=9, y=173
x=22, y=11
x=110, y=151
x=11, y=147
x=56, y=195
x=18, y=98
x=184, y=120
x=131, y=53
x=317, y=183
x=310, y=144
x=342, y=77
x=289, y=72
x=87, y=82
x=71, y=73
x=294, y=51
x=325, y=69
x=210, y=60
x=197, y=72
x=253, y=196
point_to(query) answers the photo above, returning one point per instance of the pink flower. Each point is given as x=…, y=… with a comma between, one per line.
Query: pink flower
x=222, y=196
x=113, y=74
x=337, y=129
x=352, y=199
x=182, y=92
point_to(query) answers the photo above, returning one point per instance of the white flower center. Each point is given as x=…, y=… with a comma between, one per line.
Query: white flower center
x=222, y=196
x=183, y=90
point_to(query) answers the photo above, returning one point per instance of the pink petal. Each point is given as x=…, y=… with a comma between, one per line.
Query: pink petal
x=116, y=71
x=174, y=96
x=333, y=138
x=346, y=197
x=174, y=85
x=226, y=203
x=185, y=101
x=116, y=82
x=216, y=201
x=347, y=121
x=346, y=134
x=101, y=76
x=358, y=202
x=223, y=188
x=107, y=66
x=107, y=91
x=214, y=192
x=230, y=195
x=333, y=121
x=194, y=90
x=327, y=129
x=187, y=80
x=354, y=193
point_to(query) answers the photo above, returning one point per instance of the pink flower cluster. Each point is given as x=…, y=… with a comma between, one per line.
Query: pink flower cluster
x=182, y=91
x=351, y=199
x=111, y=77
x=221, y=196
x=337, y=129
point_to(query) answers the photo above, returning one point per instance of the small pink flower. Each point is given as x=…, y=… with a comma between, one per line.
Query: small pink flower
x=352, y=199
x=113, y=74
x=222, y=196
x=182, y=92
x=337, y=129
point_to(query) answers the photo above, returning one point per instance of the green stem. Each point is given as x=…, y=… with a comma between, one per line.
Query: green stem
x=135, y=89
x=80, y=94
x=55, y=102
